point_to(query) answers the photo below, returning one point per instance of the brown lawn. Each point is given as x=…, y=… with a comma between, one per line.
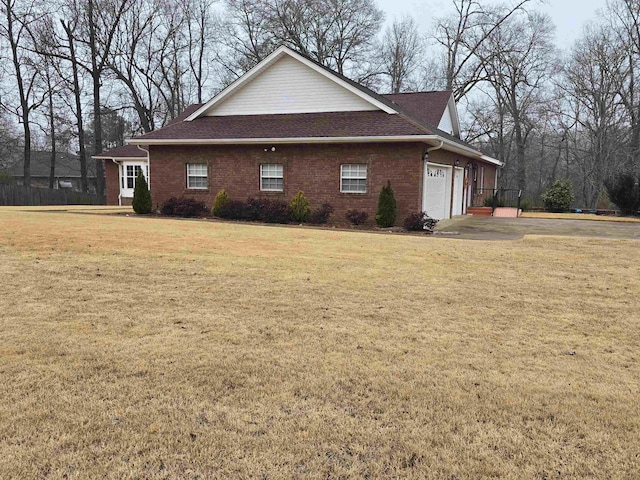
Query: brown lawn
x=147, y=348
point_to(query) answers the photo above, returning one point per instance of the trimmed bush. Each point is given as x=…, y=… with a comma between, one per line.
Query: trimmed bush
x=220, y=201
x=559, y=196
x=183, y=207
x=300, y=209
x=356, y=217
x=321, y=215
x=420, y=221
x=624, y=192
x=233, y=210
x=268, y=211
x=387, y=207
x=141, y=196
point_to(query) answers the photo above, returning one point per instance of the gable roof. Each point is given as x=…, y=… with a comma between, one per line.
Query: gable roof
x=67, y=165
x=427, y=107
x=397, y=117
x=362, y=92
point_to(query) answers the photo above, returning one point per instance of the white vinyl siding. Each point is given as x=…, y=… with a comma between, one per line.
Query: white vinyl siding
x=353, y=178
x=289, y=86
x=197, y=176
x=271, y=177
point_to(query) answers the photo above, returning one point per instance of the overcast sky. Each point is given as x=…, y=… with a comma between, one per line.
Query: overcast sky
x=568, y=15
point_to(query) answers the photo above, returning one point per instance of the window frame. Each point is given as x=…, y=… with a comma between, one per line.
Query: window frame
x=135, y=168
x=365, y=178
x=271, y=177
x=189, y=176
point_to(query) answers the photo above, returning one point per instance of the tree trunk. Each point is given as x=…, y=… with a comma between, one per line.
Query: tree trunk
x=52, y=169
x=78, y=113
x=13, y=42
x=97, y=119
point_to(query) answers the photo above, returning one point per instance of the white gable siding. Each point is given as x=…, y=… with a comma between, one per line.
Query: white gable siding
x=446, y=123
x=289, y=86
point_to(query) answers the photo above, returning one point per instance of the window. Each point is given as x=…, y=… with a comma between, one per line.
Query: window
x=271, y=177
x=353, y=178
x=129, y=174
x=197, y=176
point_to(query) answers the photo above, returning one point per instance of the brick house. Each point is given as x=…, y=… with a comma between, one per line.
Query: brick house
x=292, y=124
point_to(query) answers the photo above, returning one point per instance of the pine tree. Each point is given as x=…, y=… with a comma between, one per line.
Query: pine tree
x=387, y=208
x=141, y=196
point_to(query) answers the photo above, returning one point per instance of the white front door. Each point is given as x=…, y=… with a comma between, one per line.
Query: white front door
x=436, y=197
x=458, y=190
x=128, y=173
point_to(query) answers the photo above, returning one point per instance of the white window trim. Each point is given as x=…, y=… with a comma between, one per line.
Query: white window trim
x=366, y=169
x=144, y=166
x=206, y=176
x=271, y=177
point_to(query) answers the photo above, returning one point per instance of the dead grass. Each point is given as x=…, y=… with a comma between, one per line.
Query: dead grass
x=139, y=348
x=579, y=216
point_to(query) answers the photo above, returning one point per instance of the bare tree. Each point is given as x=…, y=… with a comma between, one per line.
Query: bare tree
x=401, y=50
x=19, y=17
x=594, y=80
x=463, y=34
x=517, y=60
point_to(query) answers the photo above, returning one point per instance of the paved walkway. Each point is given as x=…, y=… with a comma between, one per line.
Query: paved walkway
x=492, y=228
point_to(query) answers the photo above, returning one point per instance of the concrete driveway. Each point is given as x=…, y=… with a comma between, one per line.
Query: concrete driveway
x=493, y=228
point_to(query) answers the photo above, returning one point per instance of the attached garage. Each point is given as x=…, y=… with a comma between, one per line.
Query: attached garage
x=438, y=200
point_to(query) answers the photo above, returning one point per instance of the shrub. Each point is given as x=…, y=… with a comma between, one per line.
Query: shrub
x=526, y=204
x=387, y=208
x=624, y=192
x=268, y=211
x=183, y=207
x=300, y=209
x=220, y=201
x=141, y=196
x=321, y=215
x=5, y=177
x=420, y=221
x=559, y=196
x=488, y=201
x=357, y=217
x=232, y=210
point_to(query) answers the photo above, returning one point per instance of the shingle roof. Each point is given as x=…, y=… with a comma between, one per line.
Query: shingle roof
x=67, y=165
x=299, y=125
x=125, y=151
x=427, y=107
x=416, y=116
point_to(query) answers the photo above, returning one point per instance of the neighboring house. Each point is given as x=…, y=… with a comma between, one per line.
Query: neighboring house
x=292, y=124
x=67, y=171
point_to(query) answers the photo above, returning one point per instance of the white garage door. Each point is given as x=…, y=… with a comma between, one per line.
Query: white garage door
x=458, y=190
x=437, y=191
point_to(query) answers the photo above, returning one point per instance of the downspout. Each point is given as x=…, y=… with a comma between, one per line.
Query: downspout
x=119, y=181
x=425, y=159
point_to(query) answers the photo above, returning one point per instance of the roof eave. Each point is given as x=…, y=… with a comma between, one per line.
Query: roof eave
x=430, y=139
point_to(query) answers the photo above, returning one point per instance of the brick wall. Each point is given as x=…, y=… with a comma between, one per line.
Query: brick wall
x=314, y=169
x=112, y=176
